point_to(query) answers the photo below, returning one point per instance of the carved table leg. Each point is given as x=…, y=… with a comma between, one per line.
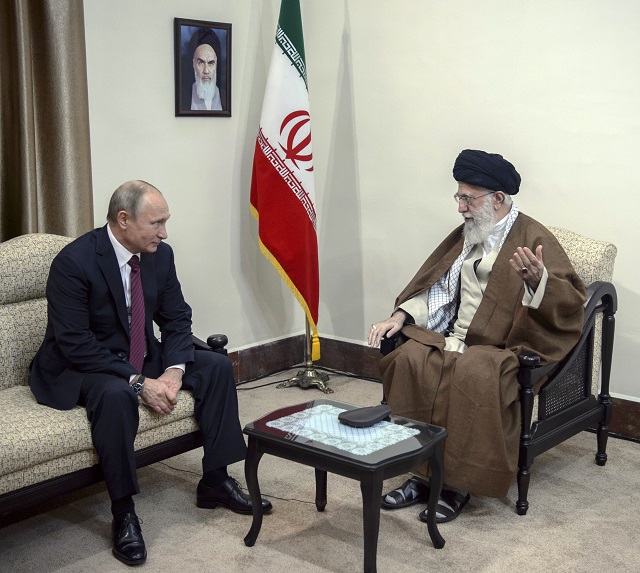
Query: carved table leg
x=321, y=489
x=371, y=487
x=251, y=475
x=436, y=463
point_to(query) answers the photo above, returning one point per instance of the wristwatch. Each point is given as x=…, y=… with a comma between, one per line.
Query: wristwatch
x=138, y=384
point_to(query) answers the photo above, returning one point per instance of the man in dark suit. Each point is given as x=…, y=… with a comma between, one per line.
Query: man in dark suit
x=89, y=356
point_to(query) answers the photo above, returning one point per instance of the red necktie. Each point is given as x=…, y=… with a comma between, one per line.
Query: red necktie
x=136, y=327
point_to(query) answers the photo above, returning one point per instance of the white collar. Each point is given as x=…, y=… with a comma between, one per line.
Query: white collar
x=122, y=253
x=495, y=235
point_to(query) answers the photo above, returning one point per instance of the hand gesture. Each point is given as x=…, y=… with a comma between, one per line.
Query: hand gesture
x=528, y=265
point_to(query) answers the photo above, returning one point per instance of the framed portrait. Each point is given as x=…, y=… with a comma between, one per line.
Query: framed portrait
x=202, y=68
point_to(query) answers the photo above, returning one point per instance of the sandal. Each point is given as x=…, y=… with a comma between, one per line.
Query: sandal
x=449, y=506
x=410, y=492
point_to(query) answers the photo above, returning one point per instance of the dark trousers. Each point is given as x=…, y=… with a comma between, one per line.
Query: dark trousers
x=112, y=410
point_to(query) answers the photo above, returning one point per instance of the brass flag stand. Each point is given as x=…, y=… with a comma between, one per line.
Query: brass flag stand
x=309, y=376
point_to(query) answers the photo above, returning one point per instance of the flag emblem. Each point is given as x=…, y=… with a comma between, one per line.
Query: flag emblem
x=297, y=143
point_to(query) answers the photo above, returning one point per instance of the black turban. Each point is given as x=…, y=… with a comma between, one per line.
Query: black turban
x=204, y=36
x=488, y=170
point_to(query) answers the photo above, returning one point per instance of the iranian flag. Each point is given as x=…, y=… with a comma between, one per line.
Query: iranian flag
x=282, y=191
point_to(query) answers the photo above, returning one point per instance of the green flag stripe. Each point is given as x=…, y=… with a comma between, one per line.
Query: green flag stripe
x=290, y=51
x=290, y=21
x=289, y=35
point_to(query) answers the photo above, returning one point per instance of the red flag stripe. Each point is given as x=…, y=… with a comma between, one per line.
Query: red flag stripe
x=286, y=232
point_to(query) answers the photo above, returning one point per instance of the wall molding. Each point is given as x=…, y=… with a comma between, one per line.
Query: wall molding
x=269, y=358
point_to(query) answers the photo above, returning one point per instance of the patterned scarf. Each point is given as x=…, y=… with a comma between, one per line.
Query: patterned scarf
x=443, y=294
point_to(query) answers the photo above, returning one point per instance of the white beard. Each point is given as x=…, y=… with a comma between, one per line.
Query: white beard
x=206, y=90
x=479, y=228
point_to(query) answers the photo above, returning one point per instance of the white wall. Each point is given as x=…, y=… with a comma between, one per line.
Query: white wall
x=397, y=90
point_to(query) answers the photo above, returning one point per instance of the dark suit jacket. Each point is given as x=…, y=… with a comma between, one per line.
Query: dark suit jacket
x=88, y=327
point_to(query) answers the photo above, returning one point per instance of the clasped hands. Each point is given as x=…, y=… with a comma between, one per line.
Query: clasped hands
x=161, y=394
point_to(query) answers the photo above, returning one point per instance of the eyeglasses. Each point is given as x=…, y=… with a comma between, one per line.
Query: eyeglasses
x=468, y=199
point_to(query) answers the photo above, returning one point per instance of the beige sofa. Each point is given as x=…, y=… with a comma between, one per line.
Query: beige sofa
x=43, y=451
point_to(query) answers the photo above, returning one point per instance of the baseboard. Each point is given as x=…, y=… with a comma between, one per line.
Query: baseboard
x=625, y=419
x=350, y=358
x=268, y=358
x=360, y=360
x=265, y=359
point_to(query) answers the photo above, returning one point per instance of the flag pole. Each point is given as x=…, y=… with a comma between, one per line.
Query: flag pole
x=282, y=183
x=309, y=376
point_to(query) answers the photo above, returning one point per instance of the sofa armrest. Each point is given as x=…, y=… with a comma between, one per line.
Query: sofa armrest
x=215, y=343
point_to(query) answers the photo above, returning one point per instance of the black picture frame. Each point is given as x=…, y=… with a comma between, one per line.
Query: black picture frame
x=188, y=36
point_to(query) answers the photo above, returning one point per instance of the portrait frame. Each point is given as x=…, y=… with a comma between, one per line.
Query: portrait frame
x=187, y=36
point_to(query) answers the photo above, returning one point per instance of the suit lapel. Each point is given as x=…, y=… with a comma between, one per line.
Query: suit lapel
x=108, y=264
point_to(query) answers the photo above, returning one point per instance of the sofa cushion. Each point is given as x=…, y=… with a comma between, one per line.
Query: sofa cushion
x=24, y=265
x=35, y=436
x=22, y=326
x=24, y=268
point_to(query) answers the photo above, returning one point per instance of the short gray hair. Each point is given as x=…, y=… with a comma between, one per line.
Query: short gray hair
x=128, y=197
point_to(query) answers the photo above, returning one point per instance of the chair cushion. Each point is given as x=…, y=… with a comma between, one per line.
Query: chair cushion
x=593, y=260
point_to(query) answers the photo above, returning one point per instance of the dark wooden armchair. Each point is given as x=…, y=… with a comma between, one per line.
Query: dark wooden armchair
x=575, y=395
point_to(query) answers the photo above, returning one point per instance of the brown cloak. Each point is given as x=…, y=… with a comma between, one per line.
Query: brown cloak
x=475, y=394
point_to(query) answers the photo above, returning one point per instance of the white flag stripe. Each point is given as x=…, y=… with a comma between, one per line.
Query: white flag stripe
x=278, y=103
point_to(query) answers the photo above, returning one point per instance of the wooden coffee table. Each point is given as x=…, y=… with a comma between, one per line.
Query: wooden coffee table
x=310, y=434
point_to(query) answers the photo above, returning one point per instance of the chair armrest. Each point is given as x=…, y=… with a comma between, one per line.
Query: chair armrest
x=215, y=343
x=601, y=293
x=530, y=371
x=601, y=296
x=388, y=345
x=529, y=374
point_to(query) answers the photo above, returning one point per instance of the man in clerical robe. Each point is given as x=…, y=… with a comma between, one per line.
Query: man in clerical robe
x=205, y=93
x=498, y=285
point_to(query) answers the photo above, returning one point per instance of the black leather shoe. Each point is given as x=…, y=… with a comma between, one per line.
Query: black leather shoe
x=228, y=495
x=410, y=492
x=128, y=545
